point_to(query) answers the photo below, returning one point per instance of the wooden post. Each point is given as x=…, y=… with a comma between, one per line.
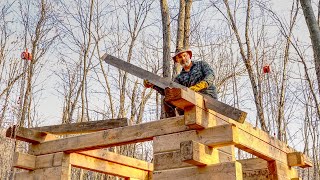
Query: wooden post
x=280, y=171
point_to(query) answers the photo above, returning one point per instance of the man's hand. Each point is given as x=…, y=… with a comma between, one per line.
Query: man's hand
x=147, y=84
x=198, y=87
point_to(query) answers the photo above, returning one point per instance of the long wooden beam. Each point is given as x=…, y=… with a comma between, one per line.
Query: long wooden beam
x=24, y=161
x=164, y=83
x=98, y=165
x=141, y=73
x=112, y=137
x=31, y=162
x=83, y=127
x=119, y=159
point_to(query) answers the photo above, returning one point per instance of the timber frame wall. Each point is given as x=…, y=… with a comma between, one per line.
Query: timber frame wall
x=199, y=145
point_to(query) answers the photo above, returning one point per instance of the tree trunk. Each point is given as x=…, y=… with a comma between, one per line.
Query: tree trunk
x=314, y=34
x=180, y=35
x=186, y=40
x=166, y=38
x=166, y=44
x=247, y=58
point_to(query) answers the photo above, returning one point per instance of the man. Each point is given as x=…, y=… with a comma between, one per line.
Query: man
x=197, y=75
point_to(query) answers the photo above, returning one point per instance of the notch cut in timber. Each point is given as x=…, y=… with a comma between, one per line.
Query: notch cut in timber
x=185, y=98
x=198, y=154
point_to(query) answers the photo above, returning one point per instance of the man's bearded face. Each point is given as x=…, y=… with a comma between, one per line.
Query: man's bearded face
x=183, y=59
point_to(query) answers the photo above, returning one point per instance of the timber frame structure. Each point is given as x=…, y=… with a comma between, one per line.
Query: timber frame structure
x=199, y=145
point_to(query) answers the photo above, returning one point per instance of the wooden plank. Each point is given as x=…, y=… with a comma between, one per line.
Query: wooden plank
x=185, y=98
x=299, y=159
x=24, y=161
x=139, y=72
x=98, y=165
x=112, y=137
x=83, y=127
x=169, y=160
x=222, y=135
x=198, y=154
x=28, y=135
x=119, y=159
x=227, y=171
x=281, y=171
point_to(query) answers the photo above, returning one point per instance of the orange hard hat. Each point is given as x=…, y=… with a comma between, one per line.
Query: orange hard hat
x=182, y=51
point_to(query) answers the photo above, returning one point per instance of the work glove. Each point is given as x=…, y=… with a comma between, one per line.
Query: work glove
x=198, y=87
x=147, y=84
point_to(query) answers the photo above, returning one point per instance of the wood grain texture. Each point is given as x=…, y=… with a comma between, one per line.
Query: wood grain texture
x=224, y=171
x=119, y=159
x=83, y=127
x=198, y=154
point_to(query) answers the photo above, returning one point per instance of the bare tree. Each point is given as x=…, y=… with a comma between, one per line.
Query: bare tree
x=246, y=55
x=183, y=31
x=41, y=40
x=314, y=31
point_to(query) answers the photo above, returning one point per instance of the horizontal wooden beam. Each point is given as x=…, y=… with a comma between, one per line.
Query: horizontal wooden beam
x=31, y=162
x=83, y=127
x=198, y=154
x=28, y=135
x=168, y=160
x=24, y=161
x=98, y=165
x=299, y=159
x=119, y=159
x=186, y=98
x=262, y=149
x=112, y=137
x=227, y=171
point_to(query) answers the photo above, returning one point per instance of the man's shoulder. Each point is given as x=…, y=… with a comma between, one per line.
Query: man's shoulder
x=199, y=62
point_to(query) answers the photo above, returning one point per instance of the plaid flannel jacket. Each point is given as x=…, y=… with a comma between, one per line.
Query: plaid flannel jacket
x=200, y=71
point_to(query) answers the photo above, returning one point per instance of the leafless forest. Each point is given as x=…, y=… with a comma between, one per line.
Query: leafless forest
x=66, y=78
